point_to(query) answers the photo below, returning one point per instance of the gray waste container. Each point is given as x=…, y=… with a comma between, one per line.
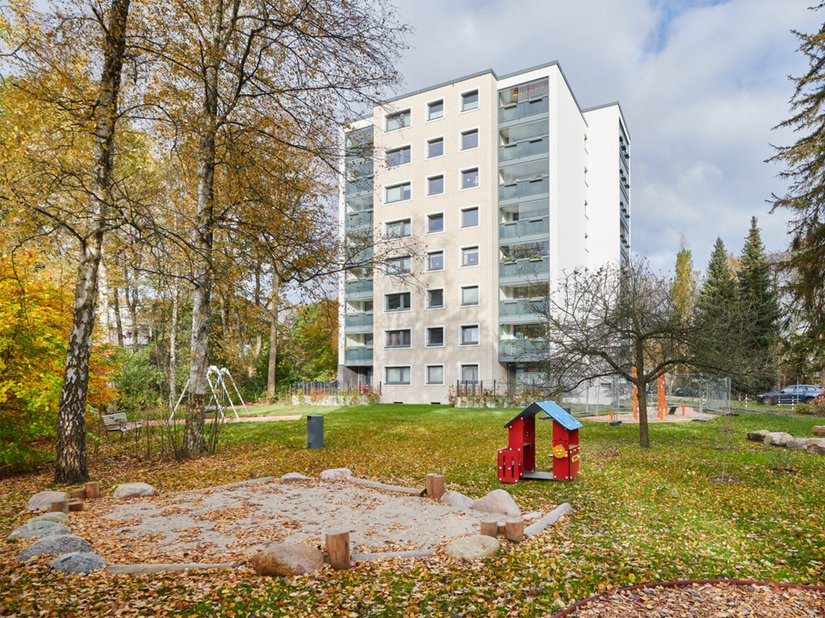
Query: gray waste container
x=315, y=432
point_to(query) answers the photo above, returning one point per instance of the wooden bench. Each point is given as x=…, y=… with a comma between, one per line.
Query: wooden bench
x=118, y=422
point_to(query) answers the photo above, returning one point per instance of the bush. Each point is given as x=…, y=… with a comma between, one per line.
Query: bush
x=803, y=408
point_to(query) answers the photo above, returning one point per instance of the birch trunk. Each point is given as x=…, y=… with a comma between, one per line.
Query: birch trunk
x=273, y=340
x=173, y=355
x=118, y=319
x=71, y=465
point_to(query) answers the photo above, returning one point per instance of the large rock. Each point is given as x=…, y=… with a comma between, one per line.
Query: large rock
x=819, y=430
x=798, y=444
x=473, y=547
x=457, y=500
x=78, y=562
x=294, y=477
x=497, y=501
x=57, y=517
x=778, y=438
x=133, y=490
x=816, y=446
x=334, y=474
x=37, y=529
x=758, y=436
x=42, y=501
x=51, y=545
x=287, y=559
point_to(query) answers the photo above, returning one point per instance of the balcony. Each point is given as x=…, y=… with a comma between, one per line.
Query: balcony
x=358, y=289
x=358, y=322
x=358, y=186
x=359, y=219
x=529, y=148
x=361, y=355
x=522, y=350
x=524, y=228
x=522, y=311
x=527, y=109
x=524, y=271
x=523, y=188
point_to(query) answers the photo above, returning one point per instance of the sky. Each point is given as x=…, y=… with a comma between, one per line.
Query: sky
x=701, y=84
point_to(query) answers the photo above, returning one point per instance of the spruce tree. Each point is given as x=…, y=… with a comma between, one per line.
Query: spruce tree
x=718, y=290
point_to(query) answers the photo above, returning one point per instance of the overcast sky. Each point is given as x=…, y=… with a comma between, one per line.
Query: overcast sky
x=701, y=84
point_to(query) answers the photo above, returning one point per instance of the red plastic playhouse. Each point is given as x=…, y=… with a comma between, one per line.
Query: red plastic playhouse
x=518, y=460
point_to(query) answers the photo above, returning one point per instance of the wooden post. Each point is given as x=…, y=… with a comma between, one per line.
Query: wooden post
x=489, y=528
x=78, y=494
x=60, y=506
x=337, y=542
x=514, y=529
x=683, y=408
x=92, y=490
x=76, y=505
x=435, y=486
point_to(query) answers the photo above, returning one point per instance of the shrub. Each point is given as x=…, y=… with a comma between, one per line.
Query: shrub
x=803, y=408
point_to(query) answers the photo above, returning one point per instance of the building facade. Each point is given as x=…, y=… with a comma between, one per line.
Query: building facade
x=479, y=194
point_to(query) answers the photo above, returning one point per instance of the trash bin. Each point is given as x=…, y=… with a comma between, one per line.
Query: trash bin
x=315, y=431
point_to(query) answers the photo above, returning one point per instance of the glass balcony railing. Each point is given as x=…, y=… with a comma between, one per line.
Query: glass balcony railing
x=524, y=188
x=522, y=308
x=529, y=148
x=359, y=219
x=359, y=185
x=537, y=268
x=358, y=355
x=526, y=109
x=522, y=349
x=524, y=227
x=358, y=288
x=357, y=320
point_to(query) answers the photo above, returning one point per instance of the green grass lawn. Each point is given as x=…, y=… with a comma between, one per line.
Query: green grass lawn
x=639, y=515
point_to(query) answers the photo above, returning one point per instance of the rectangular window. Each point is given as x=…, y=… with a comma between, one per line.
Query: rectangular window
x=469, y=100
x=469, y=256
x=398, y=156
x=469, y=139
x=435, y=223
x=397, y=302
x=398, y=120
x=398, y=338
x=435, y=299
x=399, y=229
x=435, y=336
x=469, y=178
x=435, y=260
x=469, y=334
x=435, y=374
x=469, y=374
x=398, y=193
x=398, y=375
x=469, y=295
x=435, y=185
x=435, y=110
x=399, y=265
x=469, y=217
x=435, y=147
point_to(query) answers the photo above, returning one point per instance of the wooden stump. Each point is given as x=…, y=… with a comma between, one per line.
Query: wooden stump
x=92, y=490
x=78, y=494
x=76, y=505
x=436, y=485
x=60, y=506
x=489, y=528
x=337, y=542
x=514, y=529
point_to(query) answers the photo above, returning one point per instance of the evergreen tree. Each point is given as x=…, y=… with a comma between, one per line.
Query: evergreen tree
x=718, y=290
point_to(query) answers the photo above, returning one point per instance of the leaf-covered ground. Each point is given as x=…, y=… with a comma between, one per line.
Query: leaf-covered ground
x=640, y=515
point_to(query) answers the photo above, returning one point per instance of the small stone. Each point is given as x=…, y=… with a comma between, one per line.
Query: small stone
x=133, y=490
x=457, y=500
x=287, y=559
x=819, y=430
x=498, y=501
x=334, y=474
x=778, y=438
x=51, y=545
x=42, y=501
x=758, y=436
x=60, y=518
x=37, y=529
x=294, y=477
x=78, y=562
x=798, y=444
x=816, y=446
x=474, y=547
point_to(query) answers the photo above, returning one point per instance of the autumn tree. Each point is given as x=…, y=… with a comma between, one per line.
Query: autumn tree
x=684, y=285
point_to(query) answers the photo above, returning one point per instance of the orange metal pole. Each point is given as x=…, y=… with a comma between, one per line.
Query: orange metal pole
x=683, y=408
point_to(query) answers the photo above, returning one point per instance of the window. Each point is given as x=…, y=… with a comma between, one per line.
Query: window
x=398, y=120
x=469, y=178
x=469, y=139
x=469, y=295
x=469, y=100
x=435, y=185
x=398, y=156
x=398, y=193
x=398, y=338
x=435, y=299
x=399, y=265
x=399, y=229
x=469, y=256
x=469, y=217
x=435, y=147
x=435, y=374
x=398, y=302
x=435, y=260
x=469, y=374
x=435, y=110
x=469, y=335
x=398, y=375
x=435, y=223
x=435, y=336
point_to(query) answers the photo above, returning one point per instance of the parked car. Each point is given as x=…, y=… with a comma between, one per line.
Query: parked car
x=686, y=391
x=798, y=393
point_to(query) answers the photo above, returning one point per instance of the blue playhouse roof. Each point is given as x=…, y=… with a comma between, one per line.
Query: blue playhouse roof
x=551, y=410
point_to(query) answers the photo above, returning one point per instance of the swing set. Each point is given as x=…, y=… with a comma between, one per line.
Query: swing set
x=220, y=397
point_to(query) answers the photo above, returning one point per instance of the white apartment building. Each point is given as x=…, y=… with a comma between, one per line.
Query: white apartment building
x=487, y=189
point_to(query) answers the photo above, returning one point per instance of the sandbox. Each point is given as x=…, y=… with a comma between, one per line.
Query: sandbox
x=690, y=414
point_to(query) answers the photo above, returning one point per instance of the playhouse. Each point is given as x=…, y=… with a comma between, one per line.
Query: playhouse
x=518, y=460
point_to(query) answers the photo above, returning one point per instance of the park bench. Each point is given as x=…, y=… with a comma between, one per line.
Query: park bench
x=118, y=422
